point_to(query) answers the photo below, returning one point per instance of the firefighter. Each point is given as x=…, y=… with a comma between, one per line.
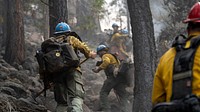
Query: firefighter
x=117, y=43
x=115, y=27
x=110, y=66
x=68, y=83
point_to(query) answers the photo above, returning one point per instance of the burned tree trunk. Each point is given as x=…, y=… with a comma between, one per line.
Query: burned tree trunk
x=58, y=13
x=4, y=14
x=144, y=53
x=14, y=52
x=46, y=19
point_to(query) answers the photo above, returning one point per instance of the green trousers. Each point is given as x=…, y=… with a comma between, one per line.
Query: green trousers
x=120, y=91
x=69, y=92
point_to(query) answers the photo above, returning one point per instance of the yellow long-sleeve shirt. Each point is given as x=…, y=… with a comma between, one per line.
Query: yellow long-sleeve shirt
x=162, y=85
x=107, y=60
x=118, y=39
x=76, y=43
x=81, y=46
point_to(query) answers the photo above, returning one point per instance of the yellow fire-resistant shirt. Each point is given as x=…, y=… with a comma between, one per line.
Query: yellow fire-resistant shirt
x=162, y=85
x=81, y=46
x=107, y=60
x=118, y=40
x=77, y=44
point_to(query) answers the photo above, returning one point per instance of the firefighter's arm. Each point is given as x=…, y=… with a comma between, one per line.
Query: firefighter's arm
x=105, y=63
x=118, y=36
x=76, y=43
x=158, y=92
x=124, y=35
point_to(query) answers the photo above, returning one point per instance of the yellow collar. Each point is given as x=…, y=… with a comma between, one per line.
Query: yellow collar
x=192, y=35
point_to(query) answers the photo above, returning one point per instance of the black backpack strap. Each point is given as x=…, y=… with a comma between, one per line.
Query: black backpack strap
x=69, y=34
x=115, y=57
x=179, y=42
x=182, y=71
x=75, y=35
x=195, y=42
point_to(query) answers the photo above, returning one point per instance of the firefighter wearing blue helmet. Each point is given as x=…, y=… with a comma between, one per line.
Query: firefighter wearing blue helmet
x=110, y=65
x=101, y=47
x=68, y=84
x=116, y=43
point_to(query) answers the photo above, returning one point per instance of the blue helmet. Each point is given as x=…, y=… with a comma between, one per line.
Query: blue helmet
x=62, y=27
x=124, y=31
x=101, y=47
x=114, y=25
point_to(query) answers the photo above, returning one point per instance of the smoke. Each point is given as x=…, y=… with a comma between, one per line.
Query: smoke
x=158, y=13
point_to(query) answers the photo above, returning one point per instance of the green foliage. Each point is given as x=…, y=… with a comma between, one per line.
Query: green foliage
x=97, y=8
x=98, y=4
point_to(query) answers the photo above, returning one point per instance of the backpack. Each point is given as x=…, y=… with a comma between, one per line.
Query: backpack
x=182, y=99
x=183, y=65
x=126, y=71
x=56, y=55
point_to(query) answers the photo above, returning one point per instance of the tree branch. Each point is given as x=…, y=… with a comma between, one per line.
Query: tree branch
x=44, y=3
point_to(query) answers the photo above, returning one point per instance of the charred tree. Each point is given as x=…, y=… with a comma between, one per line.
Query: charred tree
x=58, y=13
x=144, y=53
x=15, y=41
x=1, y=22
x=46, y=19
x=4, y=23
